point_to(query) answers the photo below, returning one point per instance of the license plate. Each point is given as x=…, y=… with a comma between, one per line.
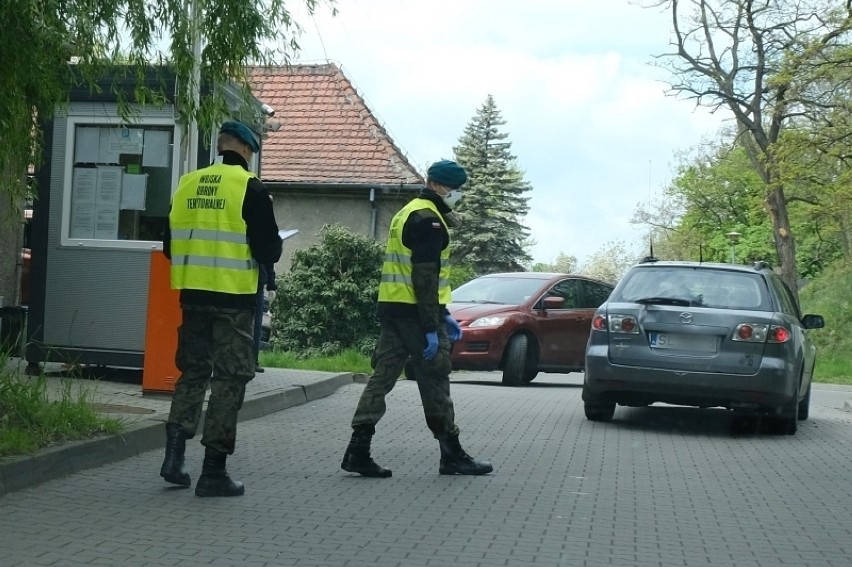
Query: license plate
x=676, y=341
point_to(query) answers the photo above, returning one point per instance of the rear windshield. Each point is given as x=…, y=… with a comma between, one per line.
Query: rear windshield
x=701, y=287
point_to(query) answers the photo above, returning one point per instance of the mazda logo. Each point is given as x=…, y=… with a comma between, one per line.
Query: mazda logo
x=686, y=318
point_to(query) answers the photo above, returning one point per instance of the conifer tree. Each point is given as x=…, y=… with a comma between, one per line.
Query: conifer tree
x=491, y=237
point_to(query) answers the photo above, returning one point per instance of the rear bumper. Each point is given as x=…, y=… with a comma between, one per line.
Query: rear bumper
x=773, y=385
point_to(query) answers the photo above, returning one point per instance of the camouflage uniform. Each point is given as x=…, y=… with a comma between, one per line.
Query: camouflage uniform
x=215, y=348
x=399, y=340
x=413, y=294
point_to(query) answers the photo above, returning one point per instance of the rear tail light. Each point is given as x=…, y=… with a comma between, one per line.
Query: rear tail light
x=623, y=324
x=759, y=333
x=779, y=335
x=599, y=323
x=750, y=333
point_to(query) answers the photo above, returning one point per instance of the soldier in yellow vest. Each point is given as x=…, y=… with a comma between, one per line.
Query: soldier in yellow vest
x=221, y=226
x=413, y=295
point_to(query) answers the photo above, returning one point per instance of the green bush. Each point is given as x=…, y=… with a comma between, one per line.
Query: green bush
x=327, y=302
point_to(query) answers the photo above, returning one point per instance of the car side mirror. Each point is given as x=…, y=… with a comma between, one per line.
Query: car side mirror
x=811, y=321
x=553, y=302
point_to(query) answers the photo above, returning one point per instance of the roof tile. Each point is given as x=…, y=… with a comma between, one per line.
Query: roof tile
x=327, y=135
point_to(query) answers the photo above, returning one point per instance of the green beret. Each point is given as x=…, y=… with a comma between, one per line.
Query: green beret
x=447, y=173
x=241, y=132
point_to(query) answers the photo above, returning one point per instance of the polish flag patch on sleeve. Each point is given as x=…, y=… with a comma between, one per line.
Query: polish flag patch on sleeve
x=436, y=224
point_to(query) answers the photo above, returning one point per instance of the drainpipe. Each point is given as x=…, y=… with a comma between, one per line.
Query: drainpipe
x=373, y=213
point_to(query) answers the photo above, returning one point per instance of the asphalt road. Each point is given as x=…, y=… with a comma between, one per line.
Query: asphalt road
x=659, y=486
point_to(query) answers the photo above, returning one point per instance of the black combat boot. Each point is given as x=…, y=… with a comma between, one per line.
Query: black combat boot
x=357, y=457
x=214, y=481
x=455, y=461
x=174, y=469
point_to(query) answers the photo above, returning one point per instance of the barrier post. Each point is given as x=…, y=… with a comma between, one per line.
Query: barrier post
x=160, y=373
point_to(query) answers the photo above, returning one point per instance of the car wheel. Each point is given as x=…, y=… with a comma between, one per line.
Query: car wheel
x=530, y=375
x=805, y=405
x=516, y=361
x=601, y=411
x=787, y=423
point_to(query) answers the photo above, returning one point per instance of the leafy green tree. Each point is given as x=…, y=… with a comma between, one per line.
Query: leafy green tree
x=563, y=263
x=492, y=235
x=609, y=263
x=816, y=161
x=760, y=61
x=41, y=40
x=326, y=303
x=716, y=191
x=460, y=274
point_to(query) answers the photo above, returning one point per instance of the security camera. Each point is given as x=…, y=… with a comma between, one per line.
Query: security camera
x=273, y=126
x=267, y=110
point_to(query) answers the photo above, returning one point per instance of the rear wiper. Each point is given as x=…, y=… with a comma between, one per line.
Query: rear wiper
x=664, y=301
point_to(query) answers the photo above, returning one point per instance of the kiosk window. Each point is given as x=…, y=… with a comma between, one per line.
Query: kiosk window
x=121, y=182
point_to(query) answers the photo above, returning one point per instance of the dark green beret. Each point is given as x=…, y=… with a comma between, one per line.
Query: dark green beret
x=241, y=132
x=447, y=173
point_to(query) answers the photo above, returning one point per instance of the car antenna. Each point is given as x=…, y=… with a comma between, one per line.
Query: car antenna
x=650, y=256
x=700, y=253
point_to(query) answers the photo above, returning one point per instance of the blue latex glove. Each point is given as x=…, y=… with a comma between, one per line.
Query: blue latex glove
x=431, y=345
x=453, y=329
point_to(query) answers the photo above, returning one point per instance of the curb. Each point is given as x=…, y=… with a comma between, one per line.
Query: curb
x=17, y=473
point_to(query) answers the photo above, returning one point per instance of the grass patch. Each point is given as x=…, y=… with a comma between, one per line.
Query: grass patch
x=34, y=416
x=832, y=370
x=829, y=295
x=347, y=361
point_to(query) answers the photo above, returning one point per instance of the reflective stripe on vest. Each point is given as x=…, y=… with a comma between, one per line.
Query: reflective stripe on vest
x=209, y=246
x=396, y=285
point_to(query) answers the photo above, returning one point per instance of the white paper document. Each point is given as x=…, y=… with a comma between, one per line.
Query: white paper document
x=84, y=190
x=157, y=149
x=286, y=233
x=87, y=145
x=133, y=189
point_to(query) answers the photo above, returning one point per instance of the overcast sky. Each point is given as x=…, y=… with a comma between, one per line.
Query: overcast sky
x=584, y=106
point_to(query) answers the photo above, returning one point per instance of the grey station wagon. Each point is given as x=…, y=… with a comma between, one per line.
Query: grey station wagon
x=705, y=335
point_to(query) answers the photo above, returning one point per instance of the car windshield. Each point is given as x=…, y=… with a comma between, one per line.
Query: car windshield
x=693, y=287
x=501, y=291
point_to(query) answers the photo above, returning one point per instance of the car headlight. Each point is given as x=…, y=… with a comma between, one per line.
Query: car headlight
x=493, y=321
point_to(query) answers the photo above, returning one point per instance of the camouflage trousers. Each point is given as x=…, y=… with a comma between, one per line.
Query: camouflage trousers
x=215, y=349
x=399, y=340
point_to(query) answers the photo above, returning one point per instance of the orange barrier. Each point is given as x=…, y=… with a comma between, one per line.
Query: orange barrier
x=164, y=317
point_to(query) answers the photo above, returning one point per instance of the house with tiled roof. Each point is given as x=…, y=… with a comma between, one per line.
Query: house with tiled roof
x=325, y=157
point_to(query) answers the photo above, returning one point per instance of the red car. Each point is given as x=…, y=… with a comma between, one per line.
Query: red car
x=525, y=323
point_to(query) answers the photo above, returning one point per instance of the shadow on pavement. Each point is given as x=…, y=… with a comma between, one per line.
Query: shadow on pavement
x=708, y=422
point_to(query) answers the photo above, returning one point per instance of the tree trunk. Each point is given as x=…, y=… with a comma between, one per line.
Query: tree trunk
x=785, y=245
x=12, y=237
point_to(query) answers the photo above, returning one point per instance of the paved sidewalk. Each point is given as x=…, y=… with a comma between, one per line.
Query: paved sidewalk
x=119, y=395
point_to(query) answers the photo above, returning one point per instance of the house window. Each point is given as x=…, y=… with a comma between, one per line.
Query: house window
x=119, y=182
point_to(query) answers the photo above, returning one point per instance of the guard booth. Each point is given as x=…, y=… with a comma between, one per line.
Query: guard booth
x=104, y=192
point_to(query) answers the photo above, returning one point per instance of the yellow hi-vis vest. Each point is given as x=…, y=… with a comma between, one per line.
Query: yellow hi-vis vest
x=396, y=285
x=209, y=245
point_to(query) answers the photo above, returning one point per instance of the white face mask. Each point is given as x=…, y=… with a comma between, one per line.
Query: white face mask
x=452, y=197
